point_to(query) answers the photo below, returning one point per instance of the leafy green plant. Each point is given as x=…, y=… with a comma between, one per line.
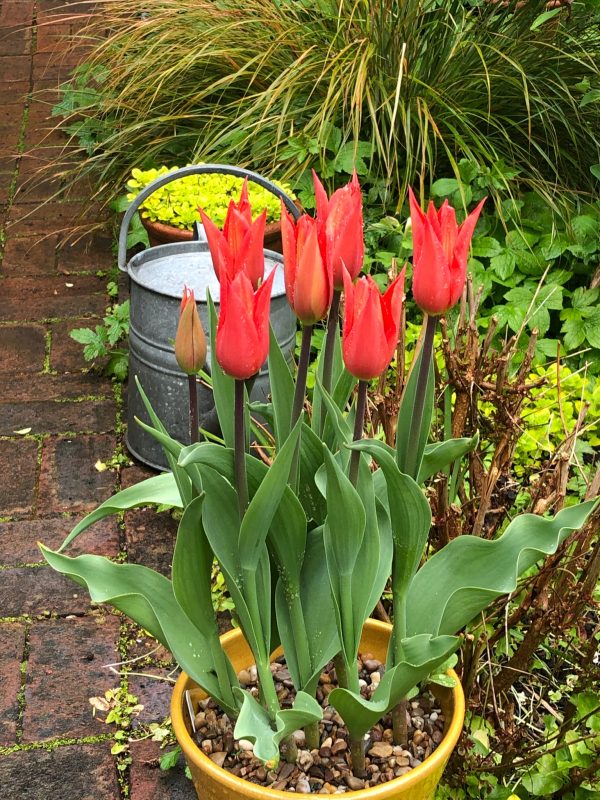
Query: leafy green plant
x=100, y=342
x=177, y=203
x=423, y=85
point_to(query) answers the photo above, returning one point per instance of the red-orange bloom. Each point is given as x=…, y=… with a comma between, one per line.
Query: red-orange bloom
x=341, y=223
x=243, y=329
x=308, y=280
x=240, y=246
x=190, y=341
x=371, y=324
x=440, y=250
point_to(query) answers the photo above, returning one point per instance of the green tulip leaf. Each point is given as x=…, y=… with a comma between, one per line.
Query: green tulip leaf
x=267, y=498
x=439, y=455
x=223, y=385
x=318, y=626
x=282, y=390
x=422, y=654
x=289, y=516
x=182, y=480
x=311, y=458
x=343, y=432
x=192, y=567
x=319, y=414
x=463, y=578
x=254, y=723
x=158, y=490
x=147, y=598
x=410, y=462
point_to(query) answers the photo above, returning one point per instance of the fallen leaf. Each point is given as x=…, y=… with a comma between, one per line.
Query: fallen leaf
x=23, y=431
x=100, y=466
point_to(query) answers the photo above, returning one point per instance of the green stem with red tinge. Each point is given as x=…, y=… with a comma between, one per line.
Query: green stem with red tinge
x=332, y=328
x=193, y=393
x=239, y=449
x=359, y=421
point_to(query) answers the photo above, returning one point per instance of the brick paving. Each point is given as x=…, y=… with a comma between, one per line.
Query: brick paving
x=57, y=420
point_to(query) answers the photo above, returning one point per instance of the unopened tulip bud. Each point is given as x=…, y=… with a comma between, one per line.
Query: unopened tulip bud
x=190, y=341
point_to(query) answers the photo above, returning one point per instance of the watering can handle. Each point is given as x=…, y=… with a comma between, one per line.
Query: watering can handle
x=196, y=169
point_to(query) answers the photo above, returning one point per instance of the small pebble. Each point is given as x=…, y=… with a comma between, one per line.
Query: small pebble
x=218, y=758
x=244, y=744
x=244, y=677
x=381, y=750
x=303, y=786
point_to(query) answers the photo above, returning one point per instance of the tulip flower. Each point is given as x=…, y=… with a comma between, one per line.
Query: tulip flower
x=308, y=280
x=340, y=218
x=243, y=329
x=371, y=324
x=190, y=341
x=239, y=246
x=440, y=250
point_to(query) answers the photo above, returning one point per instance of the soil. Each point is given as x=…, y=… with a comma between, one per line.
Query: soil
x=325, y=770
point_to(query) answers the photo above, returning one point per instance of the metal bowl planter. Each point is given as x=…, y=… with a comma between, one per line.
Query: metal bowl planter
x=215, y=783
x=156, y=280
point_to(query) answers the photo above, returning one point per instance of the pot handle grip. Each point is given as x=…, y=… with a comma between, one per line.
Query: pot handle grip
x=195, y=169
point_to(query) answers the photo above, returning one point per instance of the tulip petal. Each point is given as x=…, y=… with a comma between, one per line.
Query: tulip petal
x=431, y=278
x=251, y=257
x=218, y=245
x=366, y=361
x=418, y=221
x=321, y=201
x=288, y=240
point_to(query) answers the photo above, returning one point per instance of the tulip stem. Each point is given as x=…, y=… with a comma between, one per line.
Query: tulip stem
x=193, y=392
x=413, y=456
x=300, y=390
x=239, y=450
x=359, y=421
x=332, y=328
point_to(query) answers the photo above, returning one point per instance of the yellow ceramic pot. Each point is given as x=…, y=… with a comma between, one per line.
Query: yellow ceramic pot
x=214, y=783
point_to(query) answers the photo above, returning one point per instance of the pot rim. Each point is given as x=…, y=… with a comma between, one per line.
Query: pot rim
x=257, y=792
x=187, y=233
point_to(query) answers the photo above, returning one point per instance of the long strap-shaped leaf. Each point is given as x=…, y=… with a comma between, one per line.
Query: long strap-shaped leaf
x=459, y=581
x=223, y=385
x=158, y=490
x=438, y=455
x=282, y=390
x=171, y=453
x=146, y=597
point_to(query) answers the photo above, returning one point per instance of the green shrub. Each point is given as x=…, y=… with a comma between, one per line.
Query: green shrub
x=276, y=83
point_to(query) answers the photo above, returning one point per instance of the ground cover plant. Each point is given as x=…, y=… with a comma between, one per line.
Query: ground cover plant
x=402, y=91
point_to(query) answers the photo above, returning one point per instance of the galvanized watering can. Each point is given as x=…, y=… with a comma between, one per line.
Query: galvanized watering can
x=157, y=277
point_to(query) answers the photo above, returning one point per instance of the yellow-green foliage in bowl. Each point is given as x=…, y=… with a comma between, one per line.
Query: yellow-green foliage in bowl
x=177, y=203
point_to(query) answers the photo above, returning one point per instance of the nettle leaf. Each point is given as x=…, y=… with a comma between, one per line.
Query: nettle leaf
x=503, y=264
x=583, y=298
x=422, y=655
x=585, y=228
x=574, y=333
x=158, y=490
x=463, y=578
x=486, y=247
x=254, y=724
x=592, y=329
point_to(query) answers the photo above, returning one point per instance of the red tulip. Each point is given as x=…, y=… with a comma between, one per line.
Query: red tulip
x=243, y=329
x=308, y=281
x=371, y=323
x=239, y=247
x=340, y=218
x=190, y=341
x=440, y=250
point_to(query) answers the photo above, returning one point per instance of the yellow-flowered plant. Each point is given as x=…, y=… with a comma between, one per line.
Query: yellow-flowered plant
x=177, y=203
